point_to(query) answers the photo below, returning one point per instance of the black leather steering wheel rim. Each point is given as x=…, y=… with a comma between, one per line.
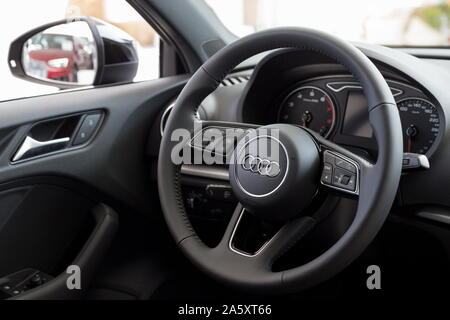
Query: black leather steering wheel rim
x=379, y=181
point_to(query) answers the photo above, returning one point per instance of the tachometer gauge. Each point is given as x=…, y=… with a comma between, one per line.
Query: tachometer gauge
x=310, y=107
x=420, y=123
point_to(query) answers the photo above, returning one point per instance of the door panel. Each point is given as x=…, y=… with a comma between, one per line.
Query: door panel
x=38, y=224
x=114, y=161
x=50, y=215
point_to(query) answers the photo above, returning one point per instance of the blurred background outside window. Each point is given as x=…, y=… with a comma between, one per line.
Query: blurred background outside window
x=116, y=12
x=388, y=22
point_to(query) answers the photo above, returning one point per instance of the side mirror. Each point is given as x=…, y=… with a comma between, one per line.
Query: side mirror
x=74, y=52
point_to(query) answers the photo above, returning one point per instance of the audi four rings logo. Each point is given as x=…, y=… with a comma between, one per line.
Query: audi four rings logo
x=262, y=166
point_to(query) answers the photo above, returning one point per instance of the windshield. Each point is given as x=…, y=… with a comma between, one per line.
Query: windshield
x=387, y=22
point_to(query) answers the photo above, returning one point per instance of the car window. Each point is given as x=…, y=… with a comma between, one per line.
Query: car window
x=115, y=12
x=387, y=22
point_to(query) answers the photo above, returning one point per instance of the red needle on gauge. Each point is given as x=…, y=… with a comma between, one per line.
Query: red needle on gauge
x=330, y=108
x=411, y=131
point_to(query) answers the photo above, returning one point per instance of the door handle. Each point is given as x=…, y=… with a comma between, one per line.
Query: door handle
x=32, y=148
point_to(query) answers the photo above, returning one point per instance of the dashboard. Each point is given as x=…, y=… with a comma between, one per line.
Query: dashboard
x=310, y=90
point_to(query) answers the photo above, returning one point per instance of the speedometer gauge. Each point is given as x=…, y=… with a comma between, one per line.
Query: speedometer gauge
x=420, y=123
x=310, y=107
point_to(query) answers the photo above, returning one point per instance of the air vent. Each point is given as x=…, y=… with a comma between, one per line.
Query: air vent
x=232, y=80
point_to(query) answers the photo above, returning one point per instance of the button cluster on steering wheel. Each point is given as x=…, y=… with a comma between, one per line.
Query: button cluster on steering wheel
x=339, y=173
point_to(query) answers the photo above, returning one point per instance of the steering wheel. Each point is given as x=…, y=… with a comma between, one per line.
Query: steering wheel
x=282, y=189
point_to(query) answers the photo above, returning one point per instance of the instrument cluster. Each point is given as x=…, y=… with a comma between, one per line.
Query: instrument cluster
x=336, y=108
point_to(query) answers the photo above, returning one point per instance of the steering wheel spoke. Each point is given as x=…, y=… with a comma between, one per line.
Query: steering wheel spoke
x=228, y=236
x=341, y=169
x=212, y=142
x=211, y=145
x=271, y=246
x=290, y=234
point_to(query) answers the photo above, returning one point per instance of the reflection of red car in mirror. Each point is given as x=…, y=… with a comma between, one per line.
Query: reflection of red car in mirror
x=62, y=55
x=59, y=63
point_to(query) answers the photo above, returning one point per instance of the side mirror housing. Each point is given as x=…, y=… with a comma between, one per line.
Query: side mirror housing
x=73, y=53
